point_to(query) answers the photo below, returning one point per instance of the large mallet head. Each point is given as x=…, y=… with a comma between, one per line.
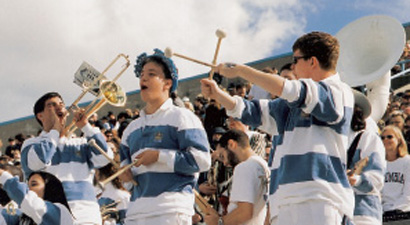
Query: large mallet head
x=169, y=53
x=220, y=34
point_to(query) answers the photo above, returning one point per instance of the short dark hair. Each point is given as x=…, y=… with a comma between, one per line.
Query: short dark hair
x=358, y=122
x=237, y=135
x=41, y=103
x=287, y=66
x=321, y=45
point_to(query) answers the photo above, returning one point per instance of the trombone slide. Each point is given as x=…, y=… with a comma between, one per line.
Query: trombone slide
x=92, y=143
x=115, y=175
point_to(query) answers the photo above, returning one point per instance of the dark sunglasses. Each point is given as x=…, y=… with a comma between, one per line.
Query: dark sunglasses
x=296, y=58
x=387, y=136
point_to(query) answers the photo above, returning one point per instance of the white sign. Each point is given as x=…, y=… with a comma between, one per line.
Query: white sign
x=88, y=77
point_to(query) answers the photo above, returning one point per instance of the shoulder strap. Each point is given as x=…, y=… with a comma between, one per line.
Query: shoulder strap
x=352, y=149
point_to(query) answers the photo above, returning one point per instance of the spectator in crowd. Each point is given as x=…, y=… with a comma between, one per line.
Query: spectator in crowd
x=199, y=107
x=308, y=123
x=286, y=72
x=240, y=90
x=176, y=99
x=20, y=138
x=136, y=113
x=109, y=135
x=112, y=121
x=123, y=119
x=257, y=140
x=188, y=104
x=257, y=92
x=231, y=89
x=396, y=191
x=71, y=160
x=216, y=135
x=250, y=182
x=170, y=144
x=105, y=124
x=11, y=146
x=396, y=119
x=42, y=201
x=215, y=116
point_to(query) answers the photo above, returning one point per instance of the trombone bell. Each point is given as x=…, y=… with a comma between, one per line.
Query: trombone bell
x=113, y=93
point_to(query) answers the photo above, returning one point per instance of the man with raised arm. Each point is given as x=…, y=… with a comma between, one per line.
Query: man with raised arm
x=309, y=123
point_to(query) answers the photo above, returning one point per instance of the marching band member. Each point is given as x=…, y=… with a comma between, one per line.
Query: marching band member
x=72, y=160
x=42, y=201
x=367, y=186
x=170, y=145
x=114, y=199
x=309, y=123
x=250, y=183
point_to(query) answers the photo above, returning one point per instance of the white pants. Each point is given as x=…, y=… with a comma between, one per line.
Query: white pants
x=309, y=212
x=165, y=219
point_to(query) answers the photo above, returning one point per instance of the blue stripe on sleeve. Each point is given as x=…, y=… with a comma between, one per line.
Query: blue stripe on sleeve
x=369, y=206
x=374, y=163
x=125, y=156
x=300, y=102
x=52, y=215
x=44, y=150
x=195, y=138
x=325, y=108
x=252, y=113
x=16, y=190
x=185, y=163
x=323, y=167
x=79, y=190
x=154, y=184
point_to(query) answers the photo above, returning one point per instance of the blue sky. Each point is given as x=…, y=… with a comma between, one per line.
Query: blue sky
x=43, y=42
x=331, y=16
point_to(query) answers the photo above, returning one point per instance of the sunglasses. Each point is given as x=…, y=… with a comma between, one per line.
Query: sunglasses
x=387, y=136
x=296, y=58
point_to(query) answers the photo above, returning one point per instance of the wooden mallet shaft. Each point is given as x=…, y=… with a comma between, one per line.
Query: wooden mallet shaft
x=169, y=53
x=221, y=35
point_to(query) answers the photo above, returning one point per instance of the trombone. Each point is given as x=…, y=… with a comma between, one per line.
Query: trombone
x=109, y=92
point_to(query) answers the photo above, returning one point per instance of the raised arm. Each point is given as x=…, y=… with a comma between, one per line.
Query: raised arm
x=271, y=83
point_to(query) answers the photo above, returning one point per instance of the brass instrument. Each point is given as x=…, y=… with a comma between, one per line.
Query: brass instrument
x=110, y=211
x=369, y=48
x=11, y=208
x=110, y=92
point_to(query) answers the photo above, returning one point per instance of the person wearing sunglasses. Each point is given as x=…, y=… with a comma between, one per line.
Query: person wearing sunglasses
x=396, y=191
x=309, y=123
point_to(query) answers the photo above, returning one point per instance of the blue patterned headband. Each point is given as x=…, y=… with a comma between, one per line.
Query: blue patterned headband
x=142, y=59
